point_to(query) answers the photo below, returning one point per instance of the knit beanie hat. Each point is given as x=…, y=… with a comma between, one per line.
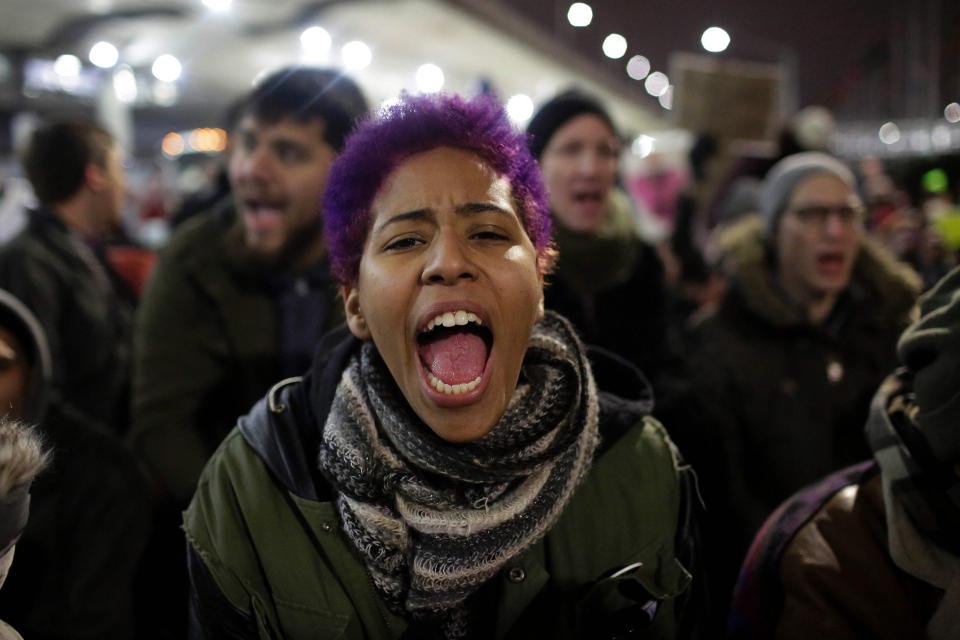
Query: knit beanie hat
x=558, y=111
x=784, y=177
x=930, y=349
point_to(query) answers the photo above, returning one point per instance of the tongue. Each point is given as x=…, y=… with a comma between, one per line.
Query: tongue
x=456, y=358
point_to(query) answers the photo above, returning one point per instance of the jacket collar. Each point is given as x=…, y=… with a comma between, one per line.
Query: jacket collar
x=879, y=281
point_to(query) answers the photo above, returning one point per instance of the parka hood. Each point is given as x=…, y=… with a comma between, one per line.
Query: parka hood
x=879, y=280
x=20, y=321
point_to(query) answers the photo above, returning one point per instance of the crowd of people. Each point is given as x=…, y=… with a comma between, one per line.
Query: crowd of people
x=415, y=373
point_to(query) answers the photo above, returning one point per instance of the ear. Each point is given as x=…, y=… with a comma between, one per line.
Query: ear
x=95, y=177
x=351, y=307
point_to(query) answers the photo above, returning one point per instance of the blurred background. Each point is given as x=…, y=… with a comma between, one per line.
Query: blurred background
x=695, y=86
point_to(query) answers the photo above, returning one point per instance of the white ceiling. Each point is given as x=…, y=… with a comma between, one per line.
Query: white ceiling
x=222, y=53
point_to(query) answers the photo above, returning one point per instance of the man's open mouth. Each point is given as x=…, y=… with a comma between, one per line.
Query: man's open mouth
x=262, y=212
x=454, y=348
x=831, y=261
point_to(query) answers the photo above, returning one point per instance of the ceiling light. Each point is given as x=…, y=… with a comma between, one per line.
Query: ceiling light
x=429, y=78
x=172, y=144
x=638, y=67
x=67, y=66
x=315, y=40
x=519, y=108
x=952, y=113
x=715, y=40
x=125, y=84
x=580, y=14
x=356, y=55
x=657, y=84
x=889, y=133
x=104, y=55
x=166, y=68
x=666, y=98
x=614, y=46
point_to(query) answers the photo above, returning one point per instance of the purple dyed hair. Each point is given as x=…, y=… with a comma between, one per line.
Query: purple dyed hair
x=414, y=125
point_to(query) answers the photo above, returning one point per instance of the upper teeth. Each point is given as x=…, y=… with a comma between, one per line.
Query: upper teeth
x=452, y=319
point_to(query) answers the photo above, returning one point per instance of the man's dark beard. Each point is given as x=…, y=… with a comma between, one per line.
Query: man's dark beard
x=288, y=257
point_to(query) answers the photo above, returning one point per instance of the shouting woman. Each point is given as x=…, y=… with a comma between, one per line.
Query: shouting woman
x=455, y=464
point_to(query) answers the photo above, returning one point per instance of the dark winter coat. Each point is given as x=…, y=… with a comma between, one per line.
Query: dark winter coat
x=788, y=399
x=73, y=573
x=86, y=312
x=268, y=558
x=207, y=348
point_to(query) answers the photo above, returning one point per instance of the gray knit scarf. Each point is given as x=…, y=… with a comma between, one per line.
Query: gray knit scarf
x=433, y=520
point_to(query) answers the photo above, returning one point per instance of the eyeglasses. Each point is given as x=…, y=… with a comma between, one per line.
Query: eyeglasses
x=816, y=215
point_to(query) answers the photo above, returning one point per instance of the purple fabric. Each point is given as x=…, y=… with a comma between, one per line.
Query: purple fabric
x=758, y=597
x=414, y=125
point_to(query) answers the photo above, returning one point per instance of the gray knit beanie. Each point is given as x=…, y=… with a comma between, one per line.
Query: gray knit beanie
x=930, y=349
x=784, y=177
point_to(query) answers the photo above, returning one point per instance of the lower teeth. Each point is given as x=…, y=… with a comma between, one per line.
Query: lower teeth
x=454, y=389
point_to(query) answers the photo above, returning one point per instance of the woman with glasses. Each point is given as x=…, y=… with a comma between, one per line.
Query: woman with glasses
x=805, y=334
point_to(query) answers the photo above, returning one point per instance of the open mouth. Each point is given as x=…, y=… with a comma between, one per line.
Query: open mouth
x=262, y=214
x=454, y=348
x=588, y=197
x=831, y=261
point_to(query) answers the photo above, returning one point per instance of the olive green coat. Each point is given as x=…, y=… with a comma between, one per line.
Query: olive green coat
x=281, y=562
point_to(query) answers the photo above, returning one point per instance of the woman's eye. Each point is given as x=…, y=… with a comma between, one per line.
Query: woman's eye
x=402, y=243
x=490, y=235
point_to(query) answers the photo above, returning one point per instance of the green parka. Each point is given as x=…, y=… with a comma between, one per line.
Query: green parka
x=268, y=558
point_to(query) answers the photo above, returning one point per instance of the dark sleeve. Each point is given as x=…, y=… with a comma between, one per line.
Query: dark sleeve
x=177, y=365
x=211, y=616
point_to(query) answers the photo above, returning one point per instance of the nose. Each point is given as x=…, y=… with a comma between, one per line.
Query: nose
x=588, y=164
x=835, y=225
x=447, y=261
x=255, y=164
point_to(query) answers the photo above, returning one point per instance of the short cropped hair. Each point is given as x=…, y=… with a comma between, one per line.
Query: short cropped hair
x=303, y=94
x=413, y=125
x=22, y=455
x=58, y=154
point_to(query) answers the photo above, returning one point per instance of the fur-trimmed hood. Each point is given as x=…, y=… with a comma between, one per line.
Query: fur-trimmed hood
x=879, y=280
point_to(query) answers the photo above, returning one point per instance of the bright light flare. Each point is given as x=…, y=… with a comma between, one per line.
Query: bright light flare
x=125, y=84
x=715, y=40
x=889, y=133
x=316, y=40
x=519, y=108
x=104, y=55
x=166, y=68
x=580, y=14
x=638, y=67
x=218, y=5
x=172, y=145
x=666, y=98
x=356, y=55
x=614, y=46
x=67, y=66
x=657, y=84
x=429, y=78
x=952, y=113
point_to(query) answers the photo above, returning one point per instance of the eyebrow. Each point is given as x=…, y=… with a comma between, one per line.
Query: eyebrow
x=466, y=209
